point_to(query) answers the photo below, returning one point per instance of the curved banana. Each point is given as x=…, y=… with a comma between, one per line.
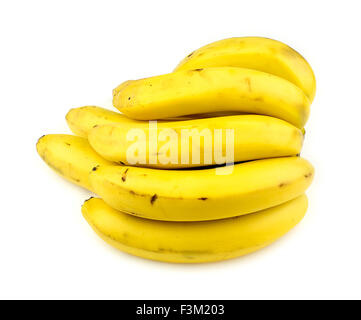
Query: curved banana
x=121, y=87
x=70, y=156
x=257, y=53
x=255, y=137
x=82, y=120
x=213, y=90
x=193, y=242
x=197, y=195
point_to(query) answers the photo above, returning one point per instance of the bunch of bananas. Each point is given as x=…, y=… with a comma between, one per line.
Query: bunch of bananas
x=183, y=212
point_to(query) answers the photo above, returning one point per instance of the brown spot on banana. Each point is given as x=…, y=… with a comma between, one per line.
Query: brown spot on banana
x=124, y=176
x=308, y=175
x=248, y=82
x=136, y=193
x=134, y=214
x=153, y=198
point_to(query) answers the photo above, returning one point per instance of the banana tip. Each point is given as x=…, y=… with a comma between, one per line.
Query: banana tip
x=88, y=199
x=37, y=142
x=67, y=116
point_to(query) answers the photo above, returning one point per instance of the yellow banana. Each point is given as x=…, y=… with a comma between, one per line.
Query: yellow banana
x=213, y=90
x=121, y=87
x=82, y=120
x=70, y=156
x=193, y=242
x=257, y=53
x=197, y=195
x=255, y=137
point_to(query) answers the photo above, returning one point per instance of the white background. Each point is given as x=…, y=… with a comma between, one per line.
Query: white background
x=56, y=55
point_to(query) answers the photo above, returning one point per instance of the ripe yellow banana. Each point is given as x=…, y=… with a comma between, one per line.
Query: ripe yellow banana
x=193, y=242
x=257, y=53
x=197, y=195
x=70, y=156
x=255, y=137
x=82, y=120
x=219, y=89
